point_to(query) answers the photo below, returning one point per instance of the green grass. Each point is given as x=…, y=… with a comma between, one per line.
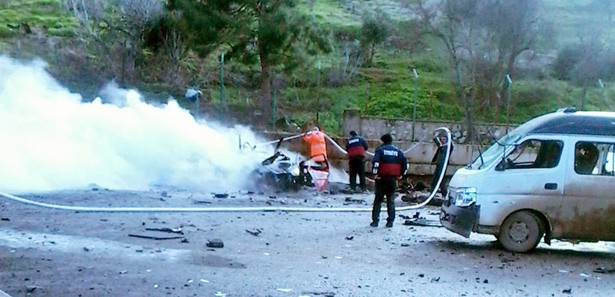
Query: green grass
x=332, y=14
x=386, y=88
x=38, y=14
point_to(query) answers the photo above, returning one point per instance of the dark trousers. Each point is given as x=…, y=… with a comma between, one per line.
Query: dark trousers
x=385, y=186
x=357, y=167
x=436, y=176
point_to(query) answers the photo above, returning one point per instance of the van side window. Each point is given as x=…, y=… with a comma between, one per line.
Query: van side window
x=594, y=158
x=585, y=157
x=535, y=153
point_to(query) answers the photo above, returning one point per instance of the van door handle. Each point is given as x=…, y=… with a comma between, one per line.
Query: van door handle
x=550, y=186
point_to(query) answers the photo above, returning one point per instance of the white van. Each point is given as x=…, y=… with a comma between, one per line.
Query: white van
x=553, y=176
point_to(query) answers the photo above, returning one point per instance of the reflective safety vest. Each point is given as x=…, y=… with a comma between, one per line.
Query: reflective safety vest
x=318, y=147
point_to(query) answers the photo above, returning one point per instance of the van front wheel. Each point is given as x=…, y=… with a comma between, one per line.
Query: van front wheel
x=520, y=232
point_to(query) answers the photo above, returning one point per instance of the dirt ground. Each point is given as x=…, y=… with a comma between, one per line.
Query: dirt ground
x=50, y=252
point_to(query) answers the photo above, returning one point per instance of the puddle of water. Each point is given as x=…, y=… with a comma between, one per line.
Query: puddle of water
x=601, y=246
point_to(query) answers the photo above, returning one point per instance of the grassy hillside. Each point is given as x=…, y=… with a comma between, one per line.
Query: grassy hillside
x=576, y=19
x=39, y=15
x=386, y=88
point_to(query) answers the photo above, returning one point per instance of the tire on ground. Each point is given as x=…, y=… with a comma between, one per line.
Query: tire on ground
x=521, y=232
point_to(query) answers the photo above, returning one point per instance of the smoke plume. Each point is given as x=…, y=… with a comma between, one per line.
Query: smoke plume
x=51, y=140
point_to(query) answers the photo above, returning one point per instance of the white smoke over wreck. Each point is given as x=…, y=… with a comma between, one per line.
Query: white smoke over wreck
x=50, y=140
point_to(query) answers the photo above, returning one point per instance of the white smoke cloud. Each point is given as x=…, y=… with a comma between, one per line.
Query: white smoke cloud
x=51, y=140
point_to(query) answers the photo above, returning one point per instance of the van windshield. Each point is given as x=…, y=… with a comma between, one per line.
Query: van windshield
x=494, y=152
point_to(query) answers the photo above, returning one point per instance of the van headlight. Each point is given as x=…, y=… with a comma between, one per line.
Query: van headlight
x=464, y=197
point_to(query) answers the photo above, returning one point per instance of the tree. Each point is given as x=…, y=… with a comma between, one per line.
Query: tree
x=204, y=25
x=566, y=62
x=588, y=68
x=483, y=40
x=272, y=34
x=117, y=26
x=452, y=22
x=374, y=31
x=515, y=28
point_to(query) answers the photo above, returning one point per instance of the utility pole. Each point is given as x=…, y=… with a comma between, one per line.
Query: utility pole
x=430, y=105
x=601, y=85
x=508, y=82
x=414, y=98
x=222, y=100
x=273, y=104
x=318, y=94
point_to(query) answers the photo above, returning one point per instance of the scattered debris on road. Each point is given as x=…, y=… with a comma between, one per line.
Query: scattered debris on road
x=353, y=200
x=167, y=230
x=254, y=232
x=324, y=294
x=422, y=222
x=215, y=243
x=201, y=202
x=604, y=270
x=155, y=237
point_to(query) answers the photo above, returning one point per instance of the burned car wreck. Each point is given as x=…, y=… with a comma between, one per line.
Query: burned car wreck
x=286, y=172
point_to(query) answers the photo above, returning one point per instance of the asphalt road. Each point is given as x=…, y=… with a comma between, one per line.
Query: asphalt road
x=46, y=252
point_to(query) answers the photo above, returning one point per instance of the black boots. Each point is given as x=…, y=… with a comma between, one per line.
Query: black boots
x=375, y=224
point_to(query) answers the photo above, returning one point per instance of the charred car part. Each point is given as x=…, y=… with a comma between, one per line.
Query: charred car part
x=291, y=174
x=281, y=172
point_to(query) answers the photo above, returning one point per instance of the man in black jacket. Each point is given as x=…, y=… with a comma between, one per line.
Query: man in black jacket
x=389, y=164
x=356, y=147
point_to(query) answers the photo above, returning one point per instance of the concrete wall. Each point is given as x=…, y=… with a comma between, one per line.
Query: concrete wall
x=406, y=131
x=371, y=128
x=407, y=134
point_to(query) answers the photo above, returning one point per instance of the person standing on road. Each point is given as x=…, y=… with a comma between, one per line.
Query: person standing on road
x=388, y=164
x=356, y=147
x=441, y=141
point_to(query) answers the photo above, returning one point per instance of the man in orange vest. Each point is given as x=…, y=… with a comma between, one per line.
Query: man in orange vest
x=318, y=154
x=317, y=145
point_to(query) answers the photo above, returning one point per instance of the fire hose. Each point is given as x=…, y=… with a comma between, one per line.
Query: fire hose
x=238, y=209
x=432, y=194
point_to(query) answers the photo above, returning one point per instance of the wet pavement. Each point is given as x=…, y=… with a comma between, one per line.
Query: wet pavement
x=46, y=252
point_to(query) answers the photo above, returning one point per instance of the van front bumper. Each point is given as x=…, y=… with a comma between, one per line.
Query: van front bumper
x=461, y=220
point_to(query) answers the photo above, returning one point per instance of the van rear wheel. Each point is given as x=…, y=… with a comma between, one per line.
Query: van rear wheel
x=520, y=232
